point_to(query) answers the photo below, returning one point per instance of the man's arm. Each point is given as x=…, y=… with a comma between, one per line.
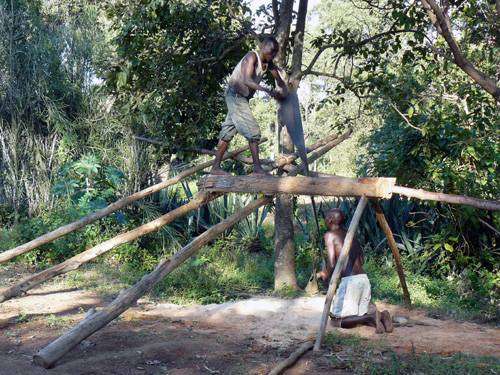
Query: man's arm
x=330, y=247
x=247, y=68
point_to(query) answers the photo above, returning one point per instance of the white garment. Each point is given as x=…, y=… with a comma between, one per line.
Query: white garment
x=353, y=296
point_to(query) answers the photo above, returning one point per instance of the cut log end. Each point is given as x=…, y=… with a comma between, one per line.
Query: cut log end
x=40, y=361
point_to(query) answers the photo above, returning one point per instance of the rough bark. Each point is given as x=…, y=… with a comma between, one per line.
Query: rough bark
x=49, y=355
x=119, y=204
x=379, y=213
x=374, y=187
x=298, y=44
x=483, y=204
x=284, y=251
x=344, y=255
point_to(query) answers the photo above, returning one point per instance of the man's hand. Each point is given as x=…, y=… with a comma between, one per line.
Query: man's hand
x=276, y=94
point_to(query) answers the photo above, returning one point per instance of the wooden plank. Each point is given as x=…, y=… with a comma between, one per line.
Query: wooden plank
x=49, y=355
x=113, y=207
x=339, y=266
x=379, y=213
x=300, y=185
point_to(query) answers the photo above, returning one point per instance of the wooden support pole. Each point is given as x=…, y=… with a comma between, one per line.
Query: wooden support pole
x=341, y=262
x=292, y=358
x=379, y=213
x=300, y=185
x=448, y=198
x=119, y=204
x=48, y=356
x=86, y=256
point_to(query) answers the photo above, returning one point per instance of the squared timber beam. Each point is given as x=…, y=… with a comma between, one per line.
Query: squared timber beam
x=373, y=187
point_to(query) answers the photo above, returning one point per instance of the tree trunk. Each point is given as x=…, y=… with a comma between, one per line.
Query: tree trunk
x=48, y=356
x=284, y=247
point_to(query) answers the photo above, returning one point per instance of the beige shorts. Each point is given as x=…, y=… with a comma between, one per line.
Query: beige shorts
x=353, y=296
x=239, y=118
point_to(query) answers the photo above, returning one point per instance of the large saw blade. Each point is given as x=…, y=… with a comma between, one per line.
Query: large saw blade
x=289, y=115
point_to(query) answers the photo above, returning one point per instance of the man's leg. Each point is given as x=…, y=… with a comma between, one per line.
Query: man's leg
x=370, y=319
x=254, y=149
x=221, y=150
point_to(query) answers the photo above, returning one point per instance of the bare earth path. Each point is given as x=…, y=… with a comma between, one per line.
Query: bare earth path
x=243, y=337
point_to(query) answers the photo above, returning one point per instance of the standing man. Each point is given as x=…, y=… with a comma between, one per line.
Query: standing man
x=243, y=83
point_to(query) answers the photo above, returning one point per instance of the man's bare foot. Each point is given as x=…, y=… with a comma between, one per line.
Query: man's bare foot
x=334, y=321
x=219, y=172
x=387, y=321
x=379, y=327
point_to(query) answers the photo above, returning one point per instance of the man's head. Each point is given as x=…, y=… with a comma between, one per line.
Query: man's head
x=269, y=48
x=334, y=218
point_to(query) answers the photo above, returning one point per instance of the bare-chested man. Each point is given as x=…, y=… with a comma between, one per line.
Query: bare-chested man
x=243, y=83
x=351, y=305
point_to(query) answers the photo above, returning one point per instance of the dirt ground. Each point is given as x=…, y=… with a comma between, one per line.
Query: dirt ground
x=242, y=337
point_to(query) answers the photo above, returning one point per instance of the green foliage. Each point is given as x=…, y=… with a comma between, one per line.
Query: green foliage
x=469, y=295
x=170, y=63
x=221, y=272
x=83, y=187
x=368, y=357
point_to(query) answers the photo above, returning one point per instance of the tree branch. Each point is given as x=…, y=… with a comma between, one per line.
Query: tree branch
x=298, y=45
x=441, y=22
x=355, y=45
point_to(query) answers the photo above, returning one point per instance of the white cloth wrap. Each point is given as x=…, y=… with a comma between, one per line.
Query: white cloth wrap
x=353, y=296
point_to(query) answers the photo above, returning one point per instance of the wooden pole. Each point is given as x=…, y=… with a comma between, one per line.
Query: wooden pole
x=86, y=256
x=300, y=185
x=294, y=170
x=448, y=198
x=379, y=213
x=90, y=254
x=292, y=358
x=119, y=204
x=341, y=262
x=48, y=356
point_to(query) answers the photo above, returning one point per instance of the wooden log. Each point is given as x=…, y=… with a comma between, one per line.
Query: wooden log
x=300, y=185
x=284, y=160
x=301, y=169
x=339, y=266
x=86, y=256
x=48, y=356
x=379, y=213
x=119, y=204
x=292, y=358
x=448, y=198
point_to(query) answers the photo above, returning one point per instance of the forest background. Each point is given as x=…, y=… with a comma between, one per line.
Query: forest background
x=81, y=80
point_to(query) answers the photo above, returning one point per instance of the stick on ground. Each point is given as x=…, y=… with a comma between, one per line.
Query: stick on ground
x=292, y=358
